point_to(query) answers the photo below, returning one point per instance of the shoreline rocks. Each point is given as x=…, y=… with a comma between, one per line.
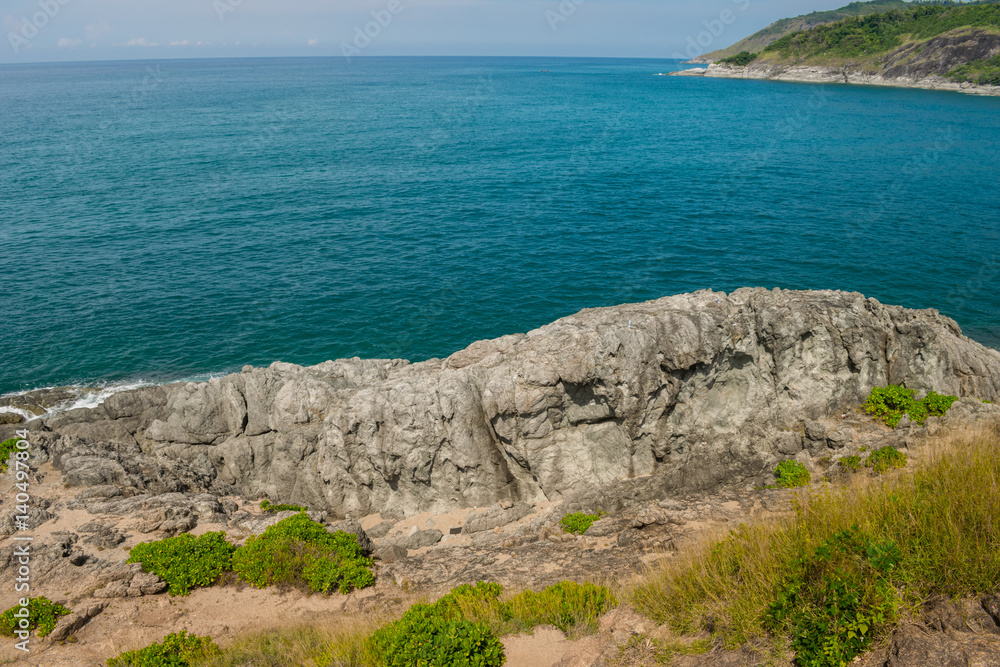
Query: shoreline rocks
x=694, y=390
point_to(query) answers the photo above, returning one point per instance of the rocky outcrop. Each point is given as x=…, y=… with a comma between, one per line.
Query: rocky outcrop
x=913, y=65
x=693, y=390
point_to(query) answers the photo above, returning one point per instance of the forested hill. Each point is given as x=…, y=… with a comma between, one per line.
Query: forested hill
x=759, y=40
x=961, y=42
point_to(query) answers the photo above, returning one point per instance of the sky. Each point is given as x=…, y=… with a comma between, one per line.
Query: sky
x=72, y=30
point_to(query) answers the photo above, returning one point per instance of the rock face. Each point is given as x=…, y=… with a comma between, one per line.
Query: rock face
x=917, y=65
x=695, y=389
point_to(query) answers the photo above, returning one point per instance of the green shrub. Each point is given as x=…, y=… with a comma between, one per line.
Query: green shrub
x=791, y=474
x=885, y=459
x=176, y=650
x=426, y=637
x=274, y=509
x=741, y=59
x=301, y=553
x=852, y=463
x=889, y=404
x=579, y=522
x=441, y=635
x=185, y=561
x=7, y=447
x=42, y=614
x=567, y=605
x=835, y=600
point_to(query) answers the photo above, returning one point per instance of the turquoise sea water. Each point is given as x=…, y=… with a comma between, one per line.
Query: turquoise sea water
x=180, y=218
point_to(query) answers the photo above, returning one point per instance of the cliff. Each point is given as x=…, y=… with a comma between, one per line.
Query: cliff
x=693, y=390
x=955, y=48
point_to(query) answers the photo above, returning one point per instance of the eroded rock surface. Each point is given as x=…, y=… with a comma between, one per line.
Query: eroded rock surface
x=695, y=389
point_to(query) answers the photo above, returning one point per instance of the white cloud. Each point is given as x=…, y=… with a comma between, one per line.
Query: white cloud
x=313, y=42
x=142, y=41
x=204, y=44
x=184, y=43
x=65, y=42
x=97, y=30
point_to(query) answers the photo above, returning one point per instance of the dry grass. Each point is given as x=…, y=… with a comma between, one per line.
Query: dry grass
x=943, y=513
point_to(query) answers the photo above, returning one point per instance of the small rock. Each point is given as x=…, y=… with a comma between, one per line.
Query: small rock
x=840, y=438
x=506, y=503
x=424, y=538
x=904, y=422
x=815, y=431
x=392, y=553
x=380, y=531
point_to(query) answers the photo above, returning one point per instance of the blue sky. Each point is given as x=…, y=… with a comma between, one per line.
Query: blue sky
x=66, y=30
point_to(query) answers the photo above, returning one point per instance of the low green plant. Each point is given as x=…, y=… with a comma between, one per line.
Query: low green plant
x=890, y=404
x=176, y=650
x=186, y=561
x=43, y=614
x=741, y=59
x=836, y=599
x=852, y=463
x=791, y=474
x=885, y=459
x=301, y=553
x=439, y=635
x=578, y=522
x=573, y=608
x=274, y=509
x=7, y=447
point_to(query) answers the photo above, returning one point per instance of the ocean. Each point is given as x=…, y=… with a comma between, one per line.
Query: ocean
x=179, y=219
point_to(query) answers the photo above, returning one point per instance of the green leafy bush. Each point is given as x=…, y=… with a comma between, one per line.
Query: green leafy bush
x=42, y=614
x=185, y=561
x=566, y=605
x=885, y=459
x=440, y=635
x=791, y=474
x=7, y=447
x=852, y=463
x=741, y=59
x=836, y=599
x=426, y=637
x=176, y=650
x=301, y=553
x=274, y=509
x=889, y=404
x=579, y=522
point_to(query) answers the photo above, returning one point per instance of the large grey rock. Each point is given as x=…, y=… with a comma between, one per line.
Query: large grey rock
x=694, y=389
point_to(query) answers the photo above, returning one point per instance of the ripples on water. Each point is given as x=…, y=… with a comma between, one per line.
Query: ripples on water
x=179, y=218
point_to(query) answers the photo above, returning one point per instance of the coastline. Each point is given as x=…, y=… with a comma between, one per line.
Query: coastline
x=841, y=75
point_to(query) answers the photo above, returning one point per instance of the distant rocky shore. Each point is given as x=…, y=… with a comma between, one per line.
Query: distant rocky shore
x=816, y=74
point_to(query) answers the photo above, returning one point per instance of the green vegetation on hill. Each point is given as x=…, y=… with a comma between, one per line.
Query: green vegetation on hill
x=984, y=72
x=759, y=40
x=879, y=33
